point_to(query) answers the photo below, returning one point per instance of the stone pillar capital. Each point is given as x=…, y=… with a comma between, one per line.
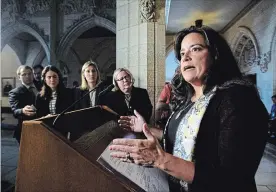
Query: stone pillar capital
x=147, y=11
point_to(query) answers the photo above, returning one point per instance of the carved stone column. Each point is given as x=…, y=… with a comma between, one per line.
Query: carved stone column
x=140, y=42
x=53, y=33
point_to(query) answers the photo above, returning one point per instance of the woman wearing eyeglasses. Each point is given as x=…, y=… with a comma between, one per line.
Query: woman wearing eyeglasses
x=126, y=98
x=90, y=77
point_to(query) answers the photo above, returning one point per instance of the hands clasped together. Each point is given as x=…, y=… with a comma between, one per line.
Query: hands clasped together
x=146, y=152
x=29, y=110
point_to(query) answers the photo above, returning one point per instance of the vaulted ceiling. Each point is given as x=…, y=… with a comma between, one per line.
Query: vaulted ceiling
x=218, y=14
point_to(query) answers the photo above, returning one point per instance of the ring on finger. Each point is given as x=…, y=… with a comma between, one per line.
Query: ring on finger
x=129, y=158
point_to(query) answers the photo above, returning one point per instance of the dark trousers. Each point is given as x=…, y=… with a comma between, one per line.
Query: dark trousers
x=272, y=126
x=17, y=133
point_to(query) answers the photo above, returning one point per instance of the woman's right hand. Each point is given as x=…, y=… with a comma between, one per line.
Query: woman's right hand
x=132, y=123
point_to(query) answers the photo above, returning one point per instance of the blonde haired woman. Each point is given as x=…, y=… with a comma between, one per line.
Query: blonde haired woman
x=90, y=78
x=126, y=98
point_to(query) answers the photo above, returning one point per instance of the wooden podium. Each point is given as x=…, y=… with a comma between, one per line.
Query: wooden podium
x=48, y=161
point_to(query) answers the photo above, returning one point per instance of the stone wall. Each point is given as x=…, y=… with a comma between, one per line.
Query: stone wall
x=9, y=63
x=259, y=23
x=100, y=50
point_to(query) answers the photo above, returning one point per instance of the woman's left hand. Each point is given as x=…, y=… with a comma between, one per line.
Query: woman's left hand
x=146, y=152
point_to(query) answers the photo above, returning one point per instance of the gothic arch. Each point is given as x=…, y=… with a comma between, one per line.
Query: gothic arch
x=246, y=49
x=39, y=57
x=109, y=63
x=99, y=47
x=18, y=50
x=109, y=66
x=247, y=32
x=16, y=28
x=69, y=38
x=76, y=56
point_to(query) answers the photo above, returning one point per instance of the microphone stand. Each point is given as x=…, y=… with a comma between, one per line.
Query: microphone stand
x=103, y=92
x=65, y=110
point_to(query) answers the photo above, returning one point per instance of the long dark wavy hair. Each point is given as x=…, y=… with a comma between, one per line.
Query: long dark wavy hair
x=224, y=66
x=46, y=91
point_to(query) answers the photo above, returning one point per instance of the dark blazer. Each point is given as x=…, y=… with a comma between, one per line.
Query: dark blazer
x=230, y=142
x=38, y=84
x=64, y=100
x=18, y=99
x=85, y=102
x=139, y=101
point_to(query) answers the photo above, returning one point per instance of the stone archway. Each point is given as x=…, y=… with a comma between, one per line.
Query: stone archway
x=39, y=58
x=107, y=65
x=17, y=48
x=69, y=38
x=246, y=50
x=99, y=47
x=16, y=28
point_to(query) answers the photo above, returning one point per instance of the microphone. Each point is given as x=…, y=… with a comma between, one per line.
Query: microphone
x=109, y=88
x=65, y=110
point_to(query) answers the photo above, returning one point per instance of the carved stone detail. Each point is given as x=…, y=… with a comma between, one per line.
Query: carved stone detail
x=11, y=7
x=246, y=55
x=37, y=29
x=105, y=4
x=80, y=27
x=24, y=8
x=263, y=61
x=89, y=9
x=34, y=6
x=72, y=6
x=76, y=21
x=86, y=6
x=147, y=10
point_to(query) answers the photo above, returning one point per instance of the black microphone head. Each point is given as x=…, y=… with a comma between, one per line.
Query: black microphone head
x=110, y=87
x=107, y=89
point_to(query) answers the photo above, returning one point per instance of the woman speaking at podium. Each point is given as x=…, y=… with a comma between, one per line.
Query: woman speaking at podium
x=206, y=145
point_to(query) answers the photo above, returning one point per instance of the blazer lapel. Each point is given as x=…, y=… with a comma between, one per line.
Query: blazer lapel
x=28, y=95
x=87, y=99
x=58, y=103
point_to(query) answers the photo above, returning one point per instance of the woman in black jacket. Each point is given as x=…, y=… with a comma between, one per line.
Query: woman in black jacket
x=53, y=97
x=90, y=78
x=125, y=98
x=206, y=143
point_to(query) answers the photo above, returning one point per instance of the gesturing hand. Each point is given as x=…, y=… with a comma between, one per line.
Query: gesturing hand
x=132, y=123
x=140, y=151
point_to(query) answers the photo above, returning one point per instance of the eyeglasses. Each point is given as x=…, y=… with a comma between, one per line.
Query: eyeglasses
x=127, y=78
